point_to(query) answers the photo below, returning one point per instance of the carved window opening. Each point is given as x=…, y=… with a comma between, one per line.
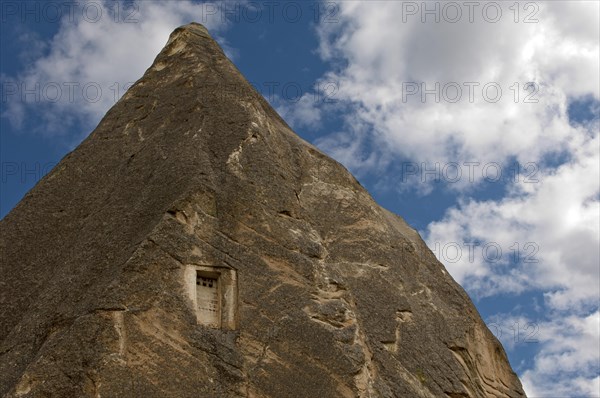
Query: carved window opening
x=213, y=292
x=208, y=299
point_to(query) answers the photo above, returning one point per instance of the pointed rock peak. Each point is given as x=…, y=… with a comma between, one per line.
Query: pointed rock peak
x=194, y=246
x=194, y=27
x=186, y=34
x=191, y=41
x=193, y=58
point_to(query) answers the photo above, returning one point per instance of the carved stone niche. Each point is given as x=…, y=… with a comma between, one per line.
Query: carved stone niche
x=213, y=291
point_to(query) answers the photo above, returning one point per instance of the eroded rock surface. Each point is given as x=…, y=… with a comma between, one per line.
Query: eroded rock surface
x=322, y=292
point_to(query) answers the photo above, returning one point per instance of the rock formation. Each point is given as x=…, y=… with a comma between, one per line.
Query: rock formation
x=194, y=246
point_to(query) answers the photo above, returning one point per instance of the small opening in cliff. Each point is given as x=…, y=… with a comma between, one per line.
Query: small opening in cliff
x=208, y=299
x=214, y=295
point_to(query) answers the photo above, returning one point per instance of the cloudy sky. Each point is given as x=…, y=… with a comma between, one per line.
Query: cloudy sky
x=478, y=122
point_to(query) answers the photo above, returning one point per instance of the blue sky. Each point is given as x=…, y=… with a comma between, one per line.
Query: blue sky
x=479, y=124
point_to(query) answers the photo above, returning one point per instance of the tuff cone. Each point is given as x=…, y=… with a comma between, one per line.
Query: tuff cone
x=194, y=246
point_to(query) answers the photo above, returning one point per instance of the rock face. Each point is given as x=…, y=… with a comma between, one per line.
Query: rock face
x=194, y=246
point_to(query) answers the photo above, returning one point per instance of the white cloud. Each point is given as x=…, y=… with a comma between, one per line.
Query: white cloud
x=99, y=58
x=568, y=352
x=386, y=58
x=559, y=216
x=299, y=112
x=568, y=363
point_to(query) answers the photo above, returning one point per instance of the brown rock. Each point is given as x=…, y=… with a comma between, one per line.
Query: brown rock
x=194, y=246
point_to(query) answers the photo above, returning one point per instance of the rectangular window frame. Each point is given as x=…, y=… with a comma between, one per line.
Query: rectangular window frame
x=227, y=287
